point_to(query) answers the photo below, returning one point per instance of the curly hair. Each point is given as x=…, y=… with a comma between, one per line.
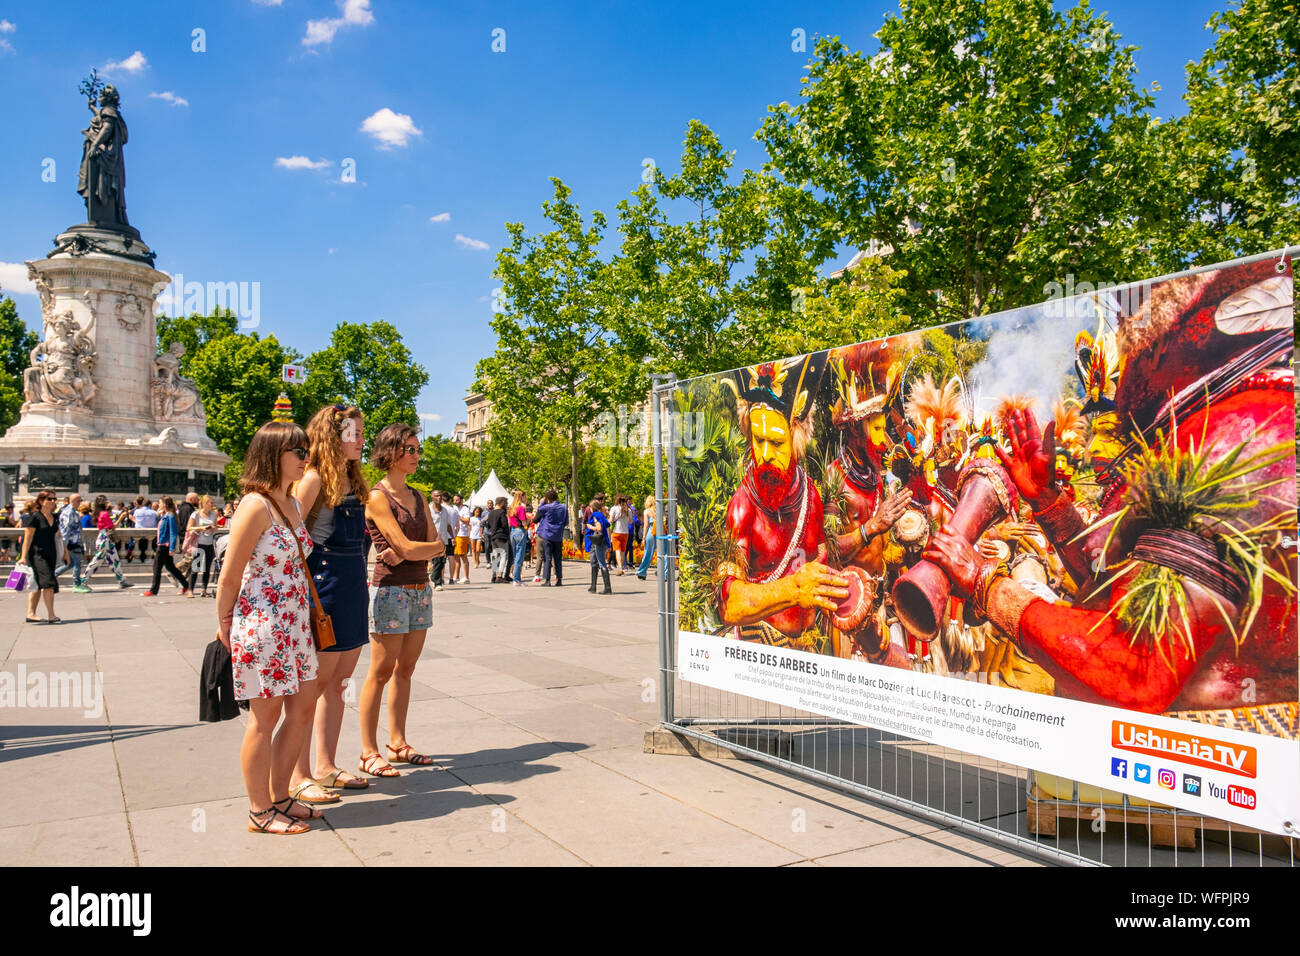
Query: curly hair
x=325, y=433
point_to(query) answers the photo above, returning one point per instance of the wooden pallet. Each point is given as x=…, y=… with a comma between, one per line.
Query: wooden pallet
x=1043, y=813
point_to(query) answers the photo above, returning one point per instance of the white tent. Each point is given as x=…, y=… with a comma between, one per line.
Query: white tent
x=492, y=490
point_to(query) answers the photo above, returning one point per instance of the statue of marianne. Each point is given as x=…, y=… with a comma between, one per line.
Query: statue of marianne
x=102, y=180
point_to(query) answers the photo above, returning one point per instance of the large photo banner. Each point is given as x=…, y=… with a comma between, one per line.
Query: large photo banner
x=1062, y=536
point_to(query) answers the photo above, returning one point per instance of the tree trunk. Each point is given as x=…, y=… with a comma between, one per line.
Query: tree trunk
x=575, y=510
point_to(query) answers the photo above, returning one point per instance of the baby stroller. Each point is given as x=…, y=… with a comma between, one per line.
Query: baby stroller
x=218, y=556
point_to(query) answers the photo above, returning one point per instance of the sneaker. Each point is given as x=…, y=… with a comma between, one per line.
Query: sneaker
x=517, y=584
x=437, y=587
x=148, y=594
x=80, y=589
x=125, y=584
x=537, y=578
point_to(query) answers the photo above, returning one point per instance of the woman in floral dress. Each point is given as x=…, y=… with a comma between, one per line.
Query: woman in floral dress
x=263, y=613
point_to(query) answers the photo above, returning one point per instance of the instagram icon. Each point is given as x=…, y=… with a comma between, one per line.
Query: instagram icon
x=1166, y=778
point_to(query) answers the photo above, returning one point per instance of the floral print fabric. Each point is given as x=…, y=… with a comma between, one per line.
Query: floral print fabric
x=271, y=647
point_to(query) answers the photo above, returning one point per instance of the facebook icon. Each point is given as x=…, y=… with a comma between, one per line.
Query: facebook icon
x=1118, y=767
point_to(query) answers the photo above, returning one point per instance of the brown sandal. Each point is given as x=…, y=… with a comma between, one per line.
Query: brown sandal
x=290, y=803
x=377, y=766
x=406, y=755
x=272, y=816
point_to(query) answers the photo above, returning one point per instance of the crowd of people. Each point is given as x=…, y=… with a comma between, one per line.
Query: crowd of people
x=316, y=564
x=53, y=542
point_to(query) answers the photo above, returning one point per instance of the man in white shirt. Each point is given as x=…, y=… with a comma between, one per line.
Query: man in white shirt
x=442, y=519
x=145, y=517
x=460, y=556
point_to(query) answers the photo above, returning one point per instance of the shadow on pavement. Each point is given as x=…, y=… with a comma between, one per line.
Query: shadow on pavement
x=35, y=740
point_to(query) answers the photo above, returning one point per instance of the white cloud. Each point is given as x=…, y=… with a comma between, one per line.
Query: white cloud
x=5, y=45
x=300, y=162
x=355, y=13
x=169, y=97
x=469, y=243
x=390, y=129
x=331, y=252
x=441, y=217
x=13, y=278
x=430, y=416
x=7, y=27
x=135, y=63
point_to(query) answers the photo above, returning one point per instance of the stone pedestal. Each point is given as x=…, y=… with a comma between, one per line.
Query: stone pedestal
x=141, y=417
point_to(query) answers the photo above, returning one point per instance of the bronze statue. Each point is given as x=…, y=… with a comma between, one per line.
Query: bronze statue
x=102, y=179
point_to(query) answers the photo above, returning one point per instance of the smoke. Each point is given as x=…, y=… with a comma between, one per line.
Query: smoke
x=1030, y=352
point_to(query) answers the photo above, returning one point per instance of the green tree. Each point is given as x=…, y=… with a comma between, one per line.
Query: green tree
x=16, y=344
x=991, y=146
x=239, y=377
x=194, y=331
x=366, y=365
x=866, y=304
x=445, y=464
x=1232, y=158
x=709, y=262
x=558, y=362
x=525, y=455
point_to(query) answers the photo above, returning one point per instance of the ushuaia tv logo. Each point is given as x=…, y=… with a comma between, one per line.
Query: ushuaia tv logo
x=1185, y=748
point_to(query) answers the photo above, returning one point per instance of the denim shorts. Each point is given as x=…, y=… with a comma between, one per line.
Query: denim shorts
x=396, y=610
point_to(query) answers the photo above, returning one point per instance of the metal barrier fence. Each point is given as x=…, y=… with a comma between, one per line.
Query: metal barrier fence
x=1044, y=816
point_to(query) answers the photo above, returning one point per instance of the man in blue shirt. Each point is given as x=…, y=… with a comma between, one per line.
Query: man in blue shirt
x=552, y=517
x=597, y=539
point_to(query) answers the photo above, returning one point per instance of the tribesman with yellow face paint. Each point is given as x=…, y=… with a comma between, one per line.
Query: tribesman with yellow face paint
x=777, y=581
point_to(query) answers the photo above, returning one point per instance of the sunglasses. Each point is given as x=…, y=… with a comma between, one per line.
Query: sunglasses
x=302, y=453
x=411, y=449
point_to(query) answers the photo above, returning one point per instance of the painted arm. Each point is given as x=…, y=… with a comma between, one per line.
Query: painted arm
x=1092, y=654
x=849, y=544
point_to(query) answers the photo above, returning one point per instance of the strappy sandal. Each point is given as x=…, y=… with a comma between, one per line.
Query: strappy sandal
x=272, y=817
x=377, y=766
x=312, y=812
x=407, y=755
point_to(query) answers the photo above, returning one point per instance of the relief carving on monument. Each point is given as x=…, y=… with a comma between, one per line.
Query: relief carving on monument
x=130, y=310
x=175, y=397
x=63, y=365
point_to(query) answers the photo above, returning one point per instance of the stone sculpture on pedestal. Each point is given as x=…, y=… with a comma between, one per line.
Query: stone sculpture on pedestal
x=63, y=365
x=104, y=412
x=175, y=397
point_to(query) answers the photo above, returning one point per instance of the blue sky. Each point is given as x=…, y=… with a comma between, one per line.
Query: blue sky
x=236, y=154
